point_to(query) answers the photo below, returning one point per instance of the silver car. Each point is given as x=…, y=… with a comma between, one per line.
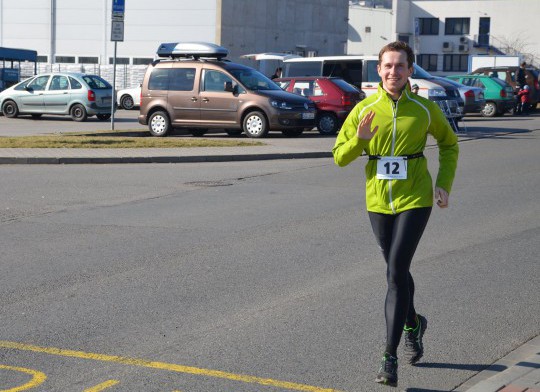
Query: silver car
x=473, y=97
x=68, y=93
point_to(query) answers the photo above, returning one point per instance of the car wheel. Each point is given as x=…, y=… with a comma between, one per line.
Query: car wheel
x=103, y=117
x=10, y=109
x=292, y=132
x=78, y=113
x=159, y=124
x=233, y=132
x=490, y=110
x=327, y=124
x=127, y=102
x=255, y=125
x=198, y=132
x=36, y=115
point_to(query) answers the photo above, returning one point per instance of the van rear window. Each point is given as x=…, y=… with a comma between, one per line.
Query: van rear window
x=176, y=79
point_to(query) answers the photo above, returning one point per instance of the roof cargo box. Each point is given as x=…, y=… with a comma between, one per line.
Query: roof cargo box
x=191, y=49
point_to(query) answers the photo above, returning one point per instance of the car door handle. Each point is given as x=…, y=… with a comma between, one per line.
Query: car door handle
x=205, y=100
x=193, y=99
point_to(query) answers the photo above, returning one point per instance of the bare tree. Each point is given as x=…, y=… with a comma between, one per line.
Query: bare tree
x=515, y=44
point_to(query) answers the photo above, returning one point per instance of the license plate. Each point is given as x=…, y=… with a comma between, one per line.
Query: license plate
x=308, y=116
x=106, y=100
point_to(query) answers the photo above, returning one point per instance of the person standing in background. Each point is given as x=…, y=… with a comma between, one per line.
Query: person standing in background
x=521, y=78
x=277, y=73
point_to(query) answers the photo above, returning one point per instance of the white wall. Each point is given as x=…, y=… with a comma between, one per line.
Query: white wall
x=362, y=42
x=82, y=27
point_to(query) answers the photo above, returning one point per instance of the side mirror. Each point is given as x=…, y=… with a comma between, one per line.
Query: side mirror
x=228, y=87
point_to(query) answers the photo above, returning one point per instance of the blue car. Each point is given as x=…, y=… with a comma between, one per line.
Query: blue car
x=67, y=93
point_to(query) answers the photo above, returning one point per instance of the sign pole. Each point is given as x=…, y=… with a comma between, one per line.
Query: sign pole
x=117, y=34
x=113, y=103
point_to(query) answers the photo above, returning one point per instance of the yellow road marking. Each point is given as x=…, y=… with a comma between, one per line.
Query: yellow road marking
x=37, y=378
x=102, y=386
x=165, y=366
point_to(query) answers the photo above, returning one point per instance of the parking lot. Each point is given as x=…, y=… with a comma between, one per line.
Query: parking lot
x=127, y=120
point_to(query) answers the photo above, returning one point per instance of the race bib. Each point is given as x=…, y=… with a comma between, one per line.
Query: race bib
x=392, y=168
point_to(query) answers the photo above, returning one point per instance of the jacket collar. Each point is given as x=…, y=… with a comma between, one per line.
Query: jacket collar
x=405, y=93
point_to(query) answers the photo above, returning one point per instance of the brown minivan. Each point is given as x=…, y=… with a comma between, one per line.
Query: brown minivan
x=196, y=89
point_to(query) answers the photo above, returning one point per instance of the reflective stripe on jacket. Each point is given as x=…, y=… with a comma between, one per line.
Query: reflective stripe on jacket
x=403, y=129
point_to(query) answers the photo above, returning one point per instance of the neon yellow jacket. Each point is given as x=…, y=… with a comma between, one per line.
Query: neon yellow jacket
x=403, y=130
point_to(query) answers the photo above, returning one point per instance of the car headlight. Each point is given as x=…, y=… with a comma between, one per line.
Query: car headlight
x=436, y=92
x=280, y=104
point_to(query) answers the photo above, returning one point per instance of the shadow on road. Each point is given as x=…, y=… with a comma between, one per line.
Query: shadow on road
x=423, y=390
x=484, y=132
x=461, y=366
x=455, y=366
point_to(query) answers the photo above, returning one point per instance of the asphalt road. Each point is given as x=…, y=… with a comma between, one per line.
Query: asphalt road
x=255, y=276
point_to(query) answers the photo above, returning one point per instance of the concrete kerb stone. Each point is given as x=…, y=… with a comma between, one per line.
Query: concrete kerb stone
x=162, y=159
x=520, y=367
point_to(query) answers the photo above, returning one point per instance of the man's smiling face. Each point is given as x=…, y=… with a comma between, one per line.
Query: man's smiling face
x=394, y=72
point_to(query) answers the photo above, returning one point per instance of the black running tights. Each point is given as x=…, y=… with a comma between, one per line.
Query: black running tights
x=398, y=236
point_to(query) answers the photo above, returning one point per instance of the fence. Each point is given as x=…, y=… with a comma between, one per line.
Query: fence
x=127, y=76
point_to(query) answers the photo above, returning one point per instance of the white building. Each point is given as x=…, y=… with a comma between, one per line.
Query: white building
x=369, y=30
x=76, y=34
x=445, y=32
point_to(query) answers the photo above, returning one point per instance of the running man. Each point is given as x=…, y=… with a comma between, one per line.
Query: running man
x=391, y=127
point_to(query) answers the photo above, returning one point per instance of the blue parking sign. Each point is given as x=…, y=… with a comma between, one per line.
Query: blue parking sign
x=118, y=8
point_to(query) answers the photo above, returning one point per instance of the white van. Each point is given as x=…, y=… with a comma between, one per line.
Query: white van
x=361, y=71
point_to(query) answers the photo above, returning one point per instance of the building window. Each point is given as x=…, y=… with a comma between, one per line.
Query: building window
x=483, y=32
x=403, y=38
x=64, y=59
x=427, y=61
x=141, y=61
x=428, y=26
x=457, y=26
x=42, y=59
x=119, y=60
x=88, y=60
x=455, y=62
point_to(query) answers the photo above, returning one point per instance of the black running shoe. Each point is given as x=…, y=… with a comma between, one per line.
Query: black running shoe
x=414, y=348
x=388, y=371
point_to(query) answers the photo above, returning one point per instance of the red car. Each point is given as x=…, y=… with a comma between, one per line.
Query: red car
x=333, y=97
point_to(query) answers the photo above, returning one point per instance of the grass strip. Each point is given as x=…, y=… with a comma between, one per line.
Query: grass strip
x=113, y=139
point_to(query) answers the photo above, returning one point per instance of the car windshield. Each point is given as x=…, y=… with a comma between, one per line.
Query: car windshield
x=420, y=73
x=452, y=82
x=500, y=82
x=96, y=82
x=254, y=80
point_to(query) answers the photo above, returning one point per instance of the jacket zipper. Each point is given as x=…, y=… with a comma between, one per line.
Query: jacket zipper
x=394, y=126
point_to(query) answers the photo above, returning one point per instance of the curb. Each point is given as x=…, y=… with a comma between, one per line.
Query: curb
x=160, y=159
x=518, y=371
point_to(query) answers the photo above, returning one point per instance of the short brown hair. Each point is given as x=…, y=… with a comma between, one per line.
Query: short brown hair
x=397, y=46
